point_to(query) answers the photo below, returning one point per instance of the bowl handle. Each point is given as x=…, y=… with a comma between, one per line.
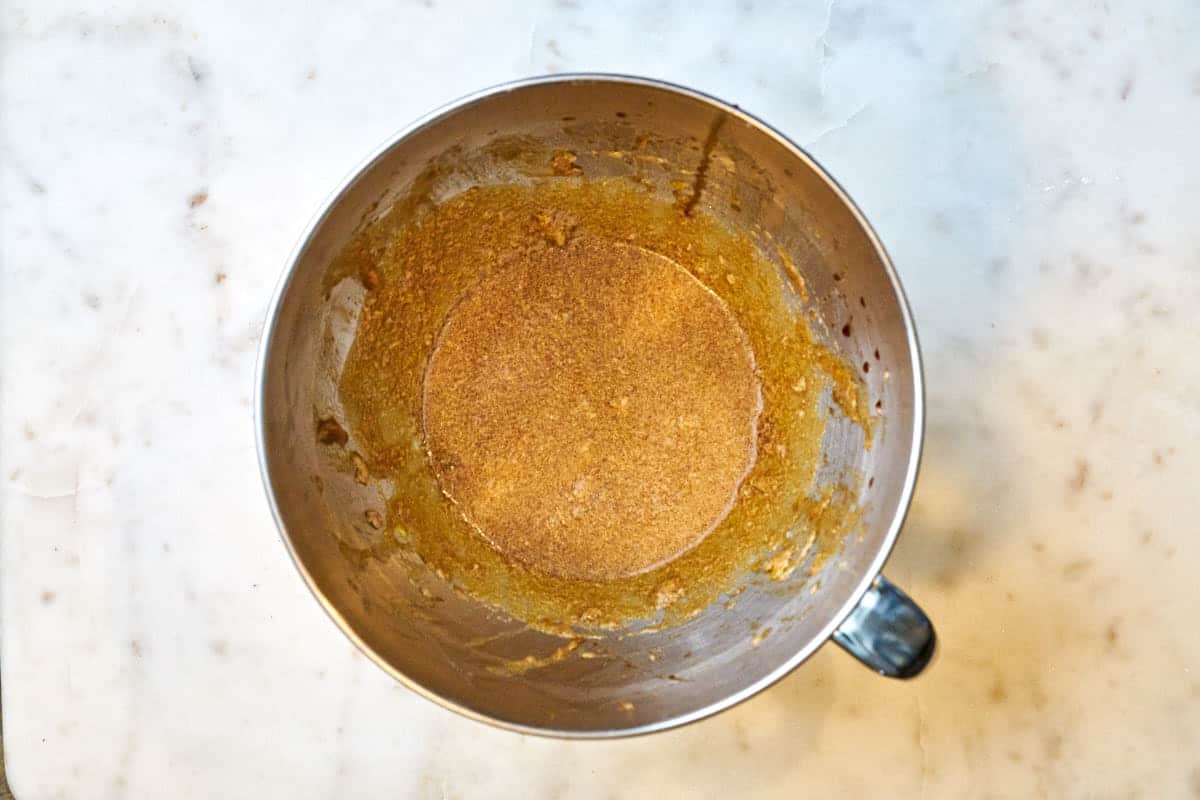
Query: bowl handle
x=888, y=632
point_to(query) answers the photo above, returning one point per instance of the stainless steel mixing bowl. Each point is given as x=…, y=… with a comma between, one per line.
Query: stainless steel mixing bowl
x=457, y=651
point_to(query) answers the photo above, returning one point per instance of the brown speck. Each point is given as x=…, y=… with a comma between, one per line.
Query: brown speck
x=846, y=330
x=878, y=406
x=1112, y=634
x=837, y=277
x=374, y=518
x=876, y=353
x=862, y=301
x=198, y=199
x=866, y=366
x=1072, y=570
x=622, y=115
x=219, y=278
x=218, y=646
x=740, y=738
x=330, y=432
x=1079, y=479
x=1157, y=457
x=871, y=483
x=999, y=692
x=48, y=597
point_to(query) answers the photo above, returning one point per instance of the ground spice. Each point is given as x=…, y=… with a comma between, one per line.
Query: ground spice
x=592, y=408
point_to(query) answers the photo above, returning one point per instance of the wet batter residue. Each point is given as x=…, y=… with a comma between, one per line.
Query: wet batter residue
x=587, y=407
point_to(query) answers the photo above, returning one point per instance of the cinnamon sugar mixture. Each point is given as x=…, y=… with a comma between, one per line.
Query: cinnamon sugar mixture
x=592, y=409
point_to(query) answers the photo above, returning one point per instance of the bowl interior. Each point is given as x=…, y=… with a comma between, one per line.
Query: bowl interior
x=461, y=652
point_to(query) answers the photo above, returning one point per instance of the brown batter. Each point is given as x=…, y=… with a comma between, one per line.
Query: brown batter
x=468, y=397
x=592, y=409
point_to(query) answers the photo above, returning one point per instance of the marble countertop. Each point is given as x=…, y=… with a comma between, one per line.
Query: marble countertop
x=1033, y=169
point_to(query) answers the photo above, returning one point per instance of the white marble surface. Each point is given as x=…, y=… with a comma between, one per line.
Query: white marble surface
x=1032, y=166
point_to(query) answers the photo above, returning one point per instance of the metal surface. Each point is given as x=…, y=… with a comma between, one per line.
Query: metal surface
x=888, y=632
x=454, y=650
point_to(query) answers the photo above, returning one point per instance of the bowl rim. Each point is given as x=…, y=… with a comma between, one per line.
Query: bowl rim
x=835, y=620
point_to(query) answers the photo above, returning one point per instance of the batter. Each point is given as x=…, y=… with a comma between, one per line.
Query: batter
x=583, y=405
